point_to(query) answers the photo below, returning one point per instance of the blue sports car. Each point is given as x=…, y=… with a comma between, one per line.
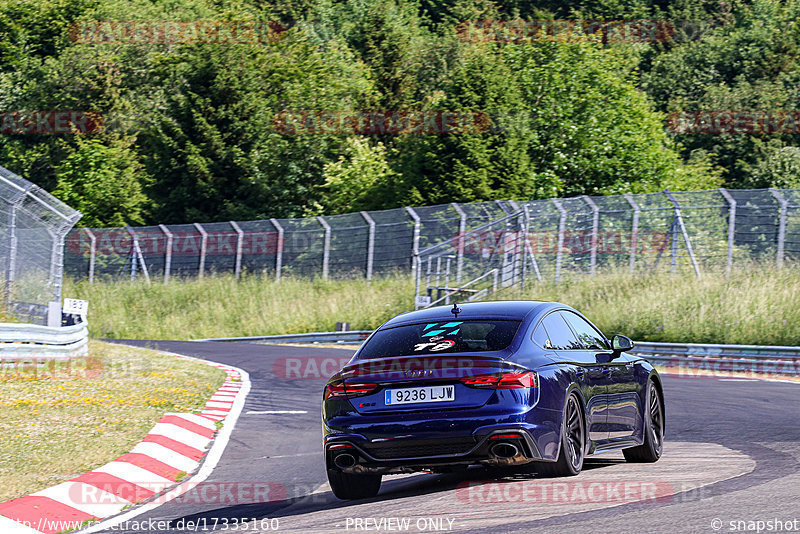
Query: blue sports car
x=501, y=383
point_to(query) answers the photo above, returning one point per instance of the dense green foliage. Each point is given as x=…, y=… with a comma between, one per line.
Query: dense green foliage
x=197, y=130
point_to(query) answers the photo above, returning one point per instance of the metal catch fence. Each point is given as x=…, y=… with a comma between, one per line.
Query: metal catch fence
x=33, y=226
x=448, y=245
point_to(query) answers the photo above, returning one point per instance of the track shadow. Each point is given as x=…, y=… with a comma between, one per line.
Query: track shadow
x=391, y=489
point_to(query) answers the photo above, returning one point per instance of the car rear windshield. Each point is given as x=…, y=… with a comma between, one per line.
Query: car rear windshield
x=440, y=338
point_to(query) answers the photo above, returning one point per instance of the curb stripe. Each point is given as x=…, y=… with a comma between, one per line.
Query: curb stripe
x=188, y=425
x=112, y=484
x=167, y=456
x=194, y=418
x=177, y=446
x=215, y=404
x=85, y=498
x=135, y=475
x=180, y=434
x=43, y=509
x=150, y=464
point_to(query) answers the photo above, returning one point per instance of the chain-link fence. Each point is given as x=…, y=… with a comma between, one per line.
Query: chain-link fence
x=33, y=225
x=682, y=232
x=536, y=240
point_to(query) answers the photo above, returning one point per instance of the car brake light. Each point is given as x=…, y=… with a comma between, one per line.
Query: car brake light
x=525, y=379
x=506, y=436
x=340, y=390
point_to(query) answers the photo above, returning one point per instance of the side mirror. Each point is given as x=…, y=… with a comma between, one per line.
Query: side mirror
x=620, y=344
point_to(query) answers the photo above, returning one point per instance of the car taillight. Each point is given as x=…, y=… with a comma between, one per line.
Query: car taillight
x=340, y=390
x=525, y=379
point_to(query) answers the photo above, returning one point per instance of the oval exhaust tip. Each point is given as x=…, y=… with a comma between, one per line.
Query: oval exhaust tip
x=343, y=461
x=504, y=450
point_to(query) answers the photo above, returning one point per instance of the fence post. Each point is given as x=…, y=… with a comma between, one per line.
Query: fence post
x=370, y=243
x=634, y=230
x=57, y=264
x=278, y=249
x=679, y=217
x=11, y=271
x=237, y=266
x=527, y=242
x=167, y=253
x=731, y=229
x=326, y=247
x=462, y=229
x=92, y=253
x=595, y=229
x=203, y=249
x=137, y=253
x=415, y=266
x=781, y=225
x=562, y=221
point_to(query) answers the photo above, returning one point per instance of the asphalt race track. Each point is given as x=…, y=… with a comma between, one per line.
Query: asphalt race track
x=731, y=460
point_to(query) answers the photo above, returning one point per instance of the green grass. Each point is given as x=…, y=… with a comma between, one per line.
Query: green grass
x=755, y=306
x=219, y=306
x=68, y=418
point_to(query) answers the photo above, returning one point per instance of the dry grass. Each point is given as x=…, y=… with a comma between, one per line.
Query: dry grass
x=219, y=306
x=757, y=305
x=754, y=306
x=63, y=420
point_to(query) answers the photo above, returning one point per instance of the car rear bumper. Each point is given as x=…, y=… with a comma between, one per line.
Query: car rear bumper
x=408, y=454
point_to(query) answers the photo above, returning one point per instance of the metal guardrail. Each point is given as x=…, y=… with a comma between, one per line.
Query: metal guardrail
x=764, y=359
x=345, y=338
x=19, y=341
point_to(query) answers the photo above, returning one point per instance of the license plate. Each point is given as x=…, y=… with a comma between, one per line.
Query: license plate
x=421, y=394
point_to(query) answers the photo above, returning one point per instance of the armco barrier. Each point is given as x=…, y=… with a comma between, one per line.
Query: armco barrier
x=345, y=338
x=29, y=341
x=720, y=358
x=762, y=359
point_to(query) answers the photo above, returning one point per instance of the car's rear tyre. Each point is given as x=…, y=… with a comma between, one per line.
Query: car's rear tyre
x=652, y=447
x=349, y=486
x=573, y=440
